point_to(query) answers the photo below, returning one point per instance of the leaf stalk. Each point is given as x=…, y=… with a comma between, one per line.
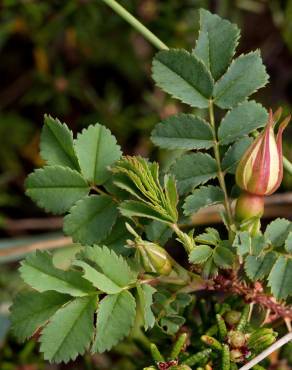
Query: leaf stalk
x=137, y=25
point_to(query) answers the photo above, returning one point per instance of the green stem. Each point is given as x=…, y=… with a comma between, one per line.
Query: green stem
x=287, y=165
x=128, y=17
x=220, y=172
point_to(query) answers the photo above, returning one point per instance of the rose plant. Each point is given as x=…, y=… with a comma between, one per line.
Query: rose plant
x=215, y=306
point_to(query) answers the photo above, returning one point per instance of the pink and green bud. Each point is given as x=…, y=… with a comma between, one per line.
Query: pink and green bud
x=260, y=170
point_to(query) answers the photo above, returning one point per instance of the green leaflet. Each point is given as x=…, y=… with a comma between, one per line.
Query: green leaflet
x=96, y=150
x=38, y=271
x=210, y=236
x=182, y=75
x=31, y=310
x=70, y=330
x=200, y=254
x=132, y=208
x=193, y=169
x=258, y=268
x=235, y=153
x=98, y=280
x=288, y=243
x=117, y=239
x=56, y=188
x=277, y=231
x=158, y=232
x=202, y=197
x=280, y=278
x=216, y=48
x=223, y=257
x=241, y=120
x=107, y=263
x=245, y=76
x=91, y=219
x=145, y=295
x=115, y=318
x=182, y=131
x=56, y=144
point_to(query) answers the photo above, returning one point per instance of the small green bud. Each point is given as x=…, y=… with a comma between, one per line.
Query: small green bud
x=232, y=317
x=236, y=339
x=153, y=258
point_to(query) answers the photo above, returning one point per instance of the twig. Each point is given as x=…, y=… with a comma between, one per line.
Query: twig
x=123, y=13
x=44, y=244
x=287, y=338
x=252, y=294
x=48, y=223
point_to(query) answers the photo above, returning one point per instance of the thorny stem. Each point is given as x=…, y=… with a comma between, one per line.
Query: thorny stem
x=128, y=17
x=220, y=172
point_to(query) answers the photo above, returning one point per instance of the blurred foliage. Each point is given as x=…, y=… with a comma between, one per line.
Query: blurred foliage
x=79, y=61
x=65, y=59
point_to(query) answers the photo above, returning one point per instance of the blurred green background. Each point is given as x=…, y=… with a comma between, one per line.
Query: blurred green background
x=80, y=62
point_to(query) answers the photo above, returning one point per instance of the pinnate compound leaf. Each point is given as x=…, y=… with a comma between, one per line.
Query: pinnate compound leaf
x=202, y=197
x=70, y=330
x=56, y=188
x=183, y=76
x=193, y=169
x=109, y=264
x=96, y=150
x=277, y=231
x=280, y=278
x=31, y=310
x=235, y=153
x=216, y=43
x=223, y=257
x=245, y=76
x=91, y=219
x=257, y=268
x=183, y=131
x=56, y=144
x=38, y=271
x=241, y=120
x=115, y=318
x=145, y=295
x=200, y=254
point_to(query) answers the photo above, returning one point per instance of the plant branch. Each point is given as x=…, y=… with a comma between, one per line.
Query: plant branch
x=128, y=17
x=252, y=294
x=220, y=172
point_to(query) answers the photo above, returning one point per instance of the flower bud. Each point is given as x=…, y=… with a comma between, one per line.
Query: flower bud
x=232, y=317
x=236, y=339
x=260, y=170
x=153, y=258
